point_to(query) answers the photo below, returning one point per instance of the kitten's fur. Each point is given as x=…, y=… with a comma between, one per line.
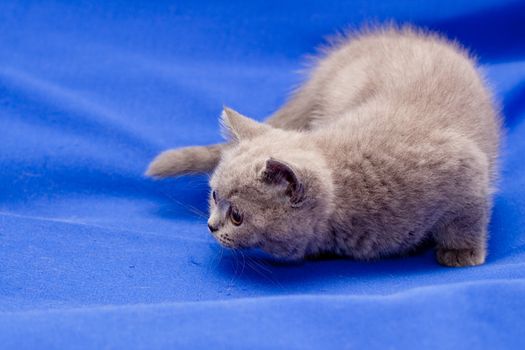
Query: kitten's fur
x=393, y=139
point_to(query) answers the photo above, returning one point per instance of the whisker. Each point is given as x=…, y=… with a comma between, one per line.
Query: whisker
x=243, y=262
x=253, y=265
x=230, y=283
x=217, y=257
x=188, y=207
x=261, y=265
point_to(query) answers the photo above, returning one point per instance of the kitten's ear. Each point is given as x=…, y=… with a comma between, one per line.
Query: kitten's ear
x=236, y=127
x=277, y=172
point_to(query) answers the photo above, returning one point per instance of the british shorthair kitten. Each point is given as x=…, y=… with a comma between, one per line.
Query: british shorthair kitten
x=393, y=140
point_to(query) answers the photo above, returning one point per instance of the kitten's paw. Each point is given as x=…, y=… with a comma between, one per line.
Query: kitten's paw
x=460, y=257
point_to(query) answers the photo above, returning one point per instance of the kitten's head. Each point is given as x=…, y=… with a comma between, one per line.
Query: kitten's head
x=271, y=190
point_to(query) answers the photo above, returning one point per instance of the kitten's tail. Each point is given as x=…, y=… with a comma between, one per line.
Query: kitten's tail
x=186, y=160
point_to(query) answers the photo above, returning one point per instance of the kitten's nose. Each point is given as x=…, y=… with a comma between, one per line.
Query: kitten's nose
x=212, y=228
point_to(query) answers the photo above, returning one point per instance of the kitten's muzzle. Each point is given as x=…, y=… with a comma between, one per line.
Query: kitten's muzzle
x=212, y=228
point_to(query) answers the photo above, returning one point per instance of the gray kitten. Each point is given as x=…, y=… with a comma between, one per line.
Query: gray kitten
x=394, y=139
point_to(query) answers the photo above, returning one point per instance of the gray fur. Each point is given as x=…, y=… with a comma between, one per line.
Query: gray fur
x=186, y=160
x=394, y=139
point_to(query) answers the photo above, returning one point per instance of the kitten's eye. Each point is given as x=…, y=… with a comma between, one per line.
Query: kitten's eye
x=235, y=216
x=214, y=195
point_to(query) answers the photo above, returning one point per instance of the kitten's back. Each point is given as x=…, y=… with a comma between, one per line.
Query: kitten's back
x=415, y=79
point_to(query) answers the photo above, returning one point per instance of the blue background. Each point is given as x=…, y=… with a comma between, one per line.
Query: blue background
x=92, y=254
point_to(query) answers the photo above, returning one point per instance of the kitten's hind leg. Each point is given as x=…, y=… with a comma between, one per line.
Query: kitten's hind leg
x=463, y=241
x=186, y=160
x=462, y=236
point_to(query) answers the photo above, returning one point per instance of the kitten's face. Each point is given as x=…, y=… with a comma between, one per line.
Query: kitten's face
x=264, y=202
x=260, y=205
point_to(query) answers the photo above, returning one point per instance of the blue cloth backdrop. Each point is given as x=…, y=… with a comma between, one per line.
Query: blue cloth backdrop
x=94, y=255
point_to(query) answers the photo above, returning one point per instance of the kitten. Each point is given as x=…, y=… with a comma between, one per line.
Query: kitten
x=394, y=139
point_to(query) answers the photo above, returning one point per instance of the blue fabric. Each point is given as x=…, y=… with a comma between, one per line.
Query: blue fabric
x=94, y=255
